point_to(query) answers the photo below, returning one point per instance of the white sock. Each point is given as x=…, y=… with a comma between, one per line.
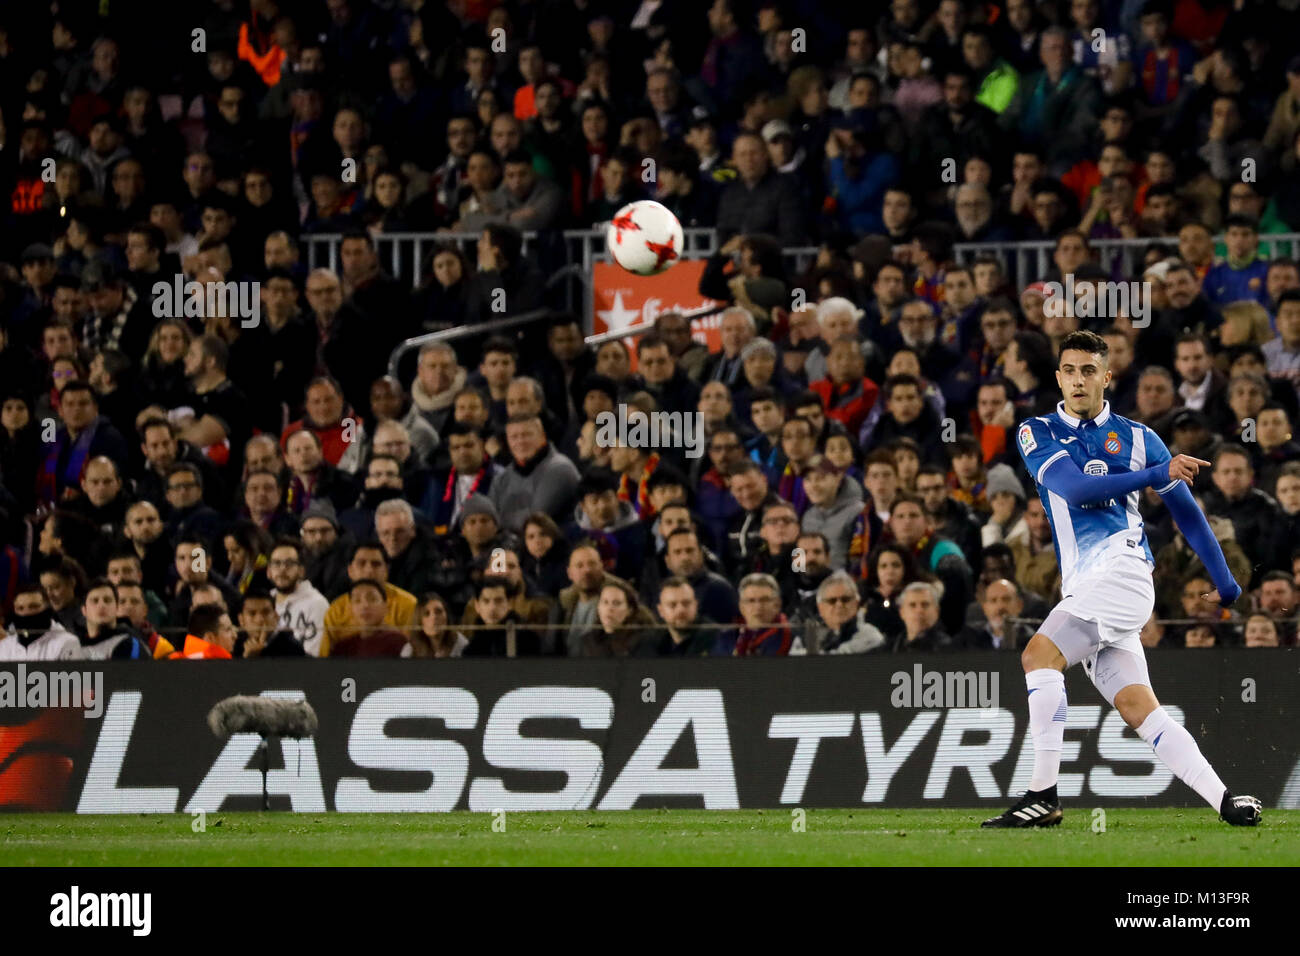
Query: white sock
x=1177, y=749
x=1047, y=724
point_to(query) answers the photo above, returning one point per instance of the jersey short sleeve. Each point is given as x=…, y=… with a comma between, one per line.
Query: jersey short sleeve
x=1038, y=447
x=1157, y=454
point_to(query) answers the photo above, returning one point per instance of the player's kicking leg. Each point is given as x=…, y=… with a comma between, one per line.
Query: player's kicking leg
x=1119, y=672
x=1177, y=749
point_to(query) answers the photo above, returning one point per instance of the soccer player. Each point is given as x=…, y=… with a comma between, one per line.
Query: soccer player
x=1090, y=467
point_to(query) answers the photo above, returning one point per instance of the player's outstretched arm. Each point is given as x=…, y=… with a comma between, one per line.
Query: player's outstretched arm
x=1065, y=478
x=1191, y=522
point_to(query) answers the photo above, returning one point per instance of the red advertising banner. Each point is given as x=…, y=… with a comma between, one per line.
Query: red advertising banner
x=622, y=300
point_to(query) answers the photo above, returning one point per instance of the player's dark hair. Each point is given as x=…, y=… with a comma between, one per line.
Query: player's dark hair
x=1085, y=341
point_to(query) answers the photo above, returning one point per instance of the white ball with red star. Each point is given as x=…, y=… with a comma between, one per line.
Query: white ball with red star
x=644, y=238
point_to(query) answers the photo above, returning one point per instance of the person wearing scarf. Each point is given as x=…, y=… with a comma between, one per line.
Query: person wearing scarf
x=438, y=379
x=764, y=630
x=34, y=634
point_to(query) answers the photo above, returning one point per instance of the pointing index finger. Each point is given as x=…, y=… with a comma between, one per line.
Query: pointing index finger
x=1199, y=462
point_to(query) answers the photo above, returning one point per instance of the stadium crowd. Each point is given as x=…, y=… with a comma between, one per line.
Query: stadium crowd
x=180, y=481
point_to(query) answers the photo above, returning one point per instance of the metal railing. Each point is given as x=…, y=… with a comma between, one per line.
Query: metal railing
x=580, y=249
x=1028, y=260
x=460, y=332
x=404, y=255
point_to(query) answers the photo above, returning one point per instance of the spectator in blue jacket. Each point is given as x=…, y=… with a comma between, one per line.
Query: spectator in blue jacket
x=1243, y=274
x=859, y=178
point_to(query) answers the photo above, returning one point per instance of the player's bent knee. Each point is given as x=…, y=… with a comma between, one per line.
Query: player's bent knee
x=1135, y=704
x=1040, y=652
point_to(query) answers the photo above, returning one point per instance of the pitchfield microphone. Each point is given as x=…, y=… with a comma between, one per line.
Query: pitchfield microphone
x=266, y=716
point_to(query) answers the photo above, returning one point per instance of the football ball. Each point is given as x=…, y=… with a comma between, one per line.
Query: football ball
x=644, y=238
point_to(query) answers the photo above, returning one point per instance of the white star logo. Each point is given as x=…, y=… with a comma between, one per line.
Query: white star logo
x=618, y=316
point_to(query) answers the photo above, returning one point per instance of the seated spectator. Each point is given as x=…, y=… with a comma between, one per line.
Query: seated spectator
x=260, y=634
x=1254, y=515
x=967, y=478
x=209, y=635
x=842, y=626
x=918, y=606
x=634, y=466
x=1000, y=601
x=907, y=415
x=889, y=569
x=472, y=543
x=525, y=601
x=299, y=606
x=626, y=629
x=539, y=477
x=764, y=630
x=912, y=528
x=575, y=609
x=263, y=501
x=248, y=548
x=545, y=558
x=1035, y=555
x=328, y=418
x=612, y=524
x=1242, y=275
x=194, y=566
x=684, y=558
x=1006, y=497
x=748, y=489
x=434, y=638
x=798, y=445
x=82, y=434
x=367, y=562
x=945, y=509
x=370, y=635
x=33, y=633
x=438, y=380
x=498, y=635
x=685, y=633
x=847, y=394
x=1261, y=631
x=133, y=607
x=311, y=477
x=1277, y=599
x=834, y=503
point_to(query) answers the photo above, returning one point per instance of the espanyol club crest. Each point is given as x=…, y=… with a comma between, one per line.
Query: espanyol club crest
x=1112, y=443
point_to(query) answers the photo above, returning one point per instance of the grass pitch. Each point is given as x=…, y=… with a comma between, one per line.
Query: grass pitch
x=863, y=837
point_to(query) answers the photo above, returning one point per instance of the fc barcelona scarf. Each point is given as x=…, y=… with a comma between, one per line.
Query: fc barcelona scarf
x=51, y=477
x=642, y=504
x=860, y=544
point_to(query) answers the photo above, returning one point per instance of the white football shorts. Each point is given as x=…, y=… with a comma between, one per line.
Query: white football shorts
x=1098, y=623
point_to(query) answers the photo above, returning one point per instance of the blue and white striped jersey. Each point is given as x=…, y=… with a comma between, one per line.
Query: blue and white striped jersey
x=1108, y=444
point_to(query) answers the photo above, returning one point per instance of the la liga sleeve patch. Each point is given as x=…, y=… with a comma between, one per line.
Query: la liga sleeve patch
x=1027, y=441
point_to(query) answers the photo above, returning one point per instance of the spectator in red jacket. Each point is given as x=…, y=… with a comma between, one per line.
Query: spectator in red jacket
x=846, y=393
x=326, y=419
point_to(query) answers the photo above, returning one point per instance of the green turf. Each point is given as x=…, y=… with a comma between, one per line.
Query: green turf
x=646, y=837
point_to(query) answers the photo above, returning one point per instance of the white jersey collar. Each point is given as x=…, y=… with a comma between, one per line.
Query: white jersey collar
x=1075, y=422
